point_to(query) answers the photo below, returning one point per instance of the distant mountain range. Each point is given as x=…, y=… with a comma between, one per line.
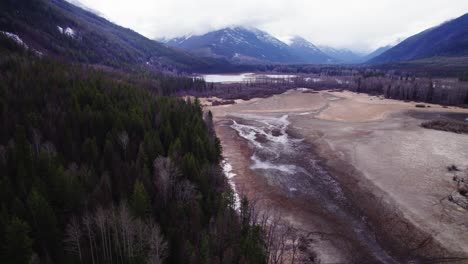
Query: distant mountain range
x=310, y=53
x=250, y=45
x=376, y=53
x=342, y=55
x=246, y=45
x=58, y=28
x=237, y=44
x=447, y=40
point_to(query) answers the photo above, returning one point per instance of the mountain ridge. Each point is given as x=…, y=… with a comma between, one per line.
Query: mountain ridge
x=449, y=39
x=61, y=29
x=307, y=50
x=376, y=52
x=342, y=55
x=241, y=44
x=236, y=44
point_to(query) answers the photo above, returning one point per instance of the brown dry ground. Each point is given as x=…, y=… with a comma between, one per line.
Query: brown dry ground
x=392, y=168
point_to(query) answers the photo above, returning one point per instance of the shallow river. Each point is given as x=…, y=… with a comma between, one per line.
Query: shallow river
x=288, y=163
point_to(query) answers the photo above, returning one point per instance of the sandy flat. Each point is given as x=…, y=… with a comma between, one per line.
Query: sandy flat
x=293, y=101
x=405, y=165
x=353, y=107
x=336, y=106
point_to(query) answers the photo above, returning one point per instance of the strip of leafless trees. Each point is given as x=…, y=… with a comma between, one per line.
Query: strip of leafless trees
x=282, y=241
x=114, y=236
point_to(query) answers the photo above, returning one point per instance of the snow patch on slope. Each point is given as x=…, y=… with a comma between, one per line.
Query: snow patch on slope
x=20, y=42
x=301, y=42
x=262, y=35
x=68, y=31
x=15, y=38
x=228, y=172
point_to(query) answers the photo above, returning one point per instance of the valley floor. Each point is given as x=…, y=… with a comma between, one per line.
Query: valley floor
x=391, y=172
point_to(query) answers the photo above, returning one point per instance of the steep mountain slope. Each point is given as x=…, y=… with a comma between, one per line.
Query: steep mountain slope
x=58, y=28
x=342, y=55
x=238, y=44
x=447, y=40
x=308, y=52
x=376, y=53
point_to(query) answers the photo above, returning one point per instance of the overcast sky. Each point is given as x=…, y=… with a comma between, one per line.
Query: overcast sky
x=359, y=25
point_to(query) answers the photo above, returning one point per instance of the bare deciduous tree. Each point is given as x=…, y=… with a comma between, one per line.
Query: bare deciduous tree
x=185, y=191
x=295, y=239
x=88, y=225
x=49, y=149
x=157, y=245
x=126, y=230
x=281, y=239
x=36, y=137
x=141, y=233
x=101, y=222
x=121, y=238
x=73, y=237
x=165, y=176
x=123, y=139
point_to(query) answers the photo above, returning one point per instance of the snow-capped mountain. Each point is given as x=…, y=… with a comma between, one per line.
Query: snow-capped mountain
x=308, y=52
x=247, y=45
x=342, y=55
x=250, y=45
x=238, y=44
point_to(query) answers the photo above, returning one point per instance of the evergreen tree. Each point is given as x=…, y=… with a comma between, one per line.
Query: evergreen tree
x=17, y=246
x=140, y=202
x=44, y=222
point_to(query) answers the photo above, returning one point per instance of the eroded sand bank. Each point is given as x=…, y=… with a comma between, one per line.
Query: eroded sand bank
x=390, y=169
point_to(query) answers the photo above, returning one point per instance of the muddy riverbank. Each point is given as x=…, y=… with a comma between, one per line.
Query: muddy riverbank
x=304, y=195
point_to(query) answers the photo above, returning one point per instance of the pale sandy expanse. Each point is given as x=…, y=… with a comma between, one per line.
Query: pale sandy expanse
x=336, y=106
x=291, y=101
x=372, y=143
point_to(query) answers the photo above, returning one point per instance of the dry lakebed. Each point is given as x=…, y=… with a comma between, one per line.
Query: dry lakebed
x=356, y=175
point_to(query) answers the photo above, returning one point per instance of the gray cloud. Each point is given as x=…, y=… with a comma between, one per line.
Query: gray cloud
x=360, y=25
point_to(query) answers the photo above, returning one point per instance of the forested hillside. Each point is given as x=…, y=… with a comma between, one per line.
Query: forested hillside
x=96, y=168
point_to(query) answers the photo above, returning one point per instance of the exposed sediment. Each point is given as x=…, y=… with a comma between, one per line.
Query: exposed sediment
x=362, y=185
